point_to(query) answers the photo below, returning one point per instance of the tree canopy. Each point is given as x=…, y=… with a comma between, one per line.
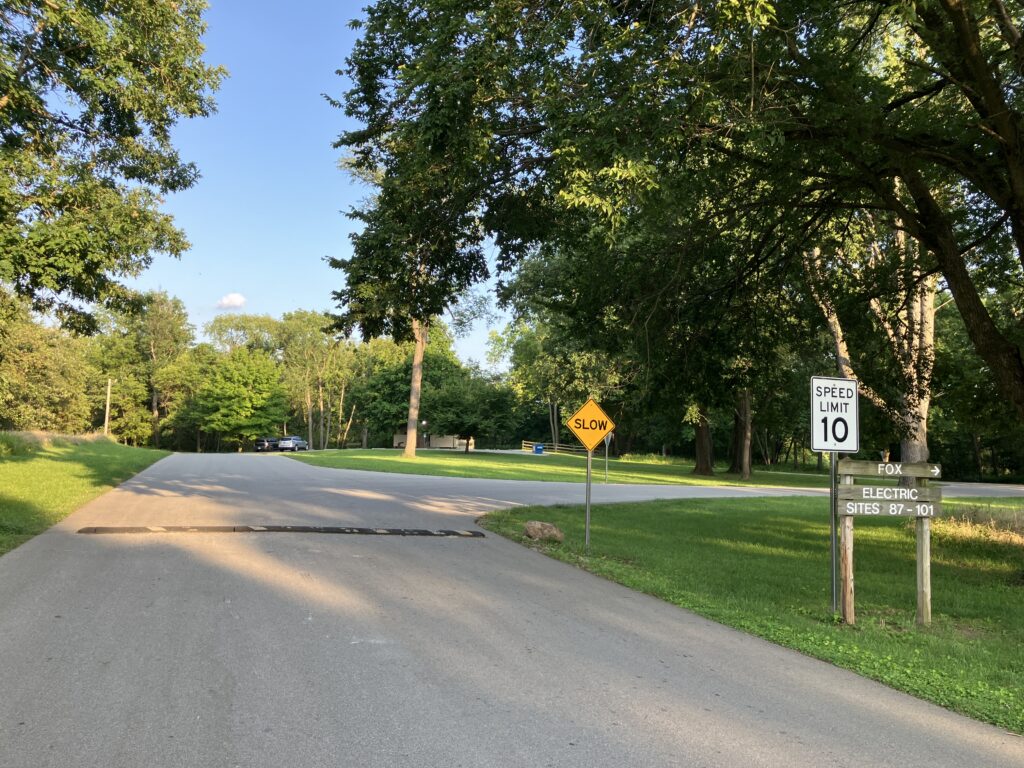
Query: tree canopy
x=768, y=128
x=89, y=93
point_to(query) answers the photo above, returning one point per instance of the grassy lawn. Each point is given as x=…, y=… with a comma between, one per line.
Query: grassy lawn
x=762, y=565
x=43, y=480
x=550, y=467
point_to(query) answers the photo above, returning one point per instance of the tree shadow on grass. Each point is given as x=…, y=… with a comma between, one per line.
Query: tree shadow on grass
x=48, y=483
x=20, y=521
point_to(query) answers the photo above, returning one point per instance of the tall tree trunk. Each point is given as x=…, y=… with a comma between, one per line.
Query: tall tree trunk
x=734, y=443
x=763, y=447
x=419, y=331
x=309, y=415
x=155, y=397
x=325, y=429
x=553, y=422
x=366, y=437
x=741, y=436
x=916, y=399
x=705, y=460
x=343, y=443
x=341, y=416
x=155, y=405
x=932, y=226
x=910, y=334
x=320, y=414
x=914, y=442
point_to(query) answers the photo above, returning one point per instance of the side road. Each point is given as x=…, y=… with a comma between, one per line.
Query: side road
x=258, y=649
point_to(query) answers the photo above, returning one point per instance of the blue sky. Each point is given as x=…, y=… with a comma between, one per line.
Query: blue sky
x=270, y=204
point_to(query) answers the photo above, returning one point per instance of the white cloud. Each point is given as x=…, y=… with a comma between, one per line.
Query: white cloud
x=231, y=301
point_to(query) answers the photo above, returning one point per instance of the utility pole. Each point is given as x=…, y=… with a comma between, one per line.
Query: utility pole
x=106, y=413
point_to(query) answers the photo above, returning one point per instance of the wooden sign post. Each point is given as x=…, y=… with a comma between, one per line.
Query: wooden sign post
x=917, y=500
x=924, y=571
x=845, y=553
x=846, y=569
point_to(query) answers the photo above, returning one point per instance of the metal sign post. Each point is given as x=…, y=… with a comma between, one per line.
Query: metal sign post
x=590, y=424
x=833, y=514
x=590, y=456
x=835, y=429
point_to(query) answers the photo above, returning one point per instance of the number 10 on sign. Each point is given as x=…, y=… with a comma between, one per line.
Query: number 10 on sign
x=835, y=424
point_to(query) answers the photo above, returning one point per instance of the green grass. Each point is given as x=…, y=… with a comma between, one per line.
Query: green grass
x=44, y=479
x=549, y=467
x=762, y=566
x=1001, y=514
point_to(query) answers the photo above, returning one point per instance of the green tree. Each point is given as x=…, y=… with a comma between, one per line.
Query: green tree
x=767, y=121
x=129, y=417
x=89, y=93
x=119, y=357
x=380, y=389
x=471, y=405
x=420, y=247
x=257, y=332
x=973, y=434
x=551, y=366
x=241, y=398
x=179, y=383
x=134, y=347
x=45, y=377
x=163, y=333
x=314, y=363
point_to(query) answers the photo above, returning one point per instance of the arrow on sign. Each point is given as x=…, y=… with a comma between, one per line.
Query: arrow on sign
x=935, y=471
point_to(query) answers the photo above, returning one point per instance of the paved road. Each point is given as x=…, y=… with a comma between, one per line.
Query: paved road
x=303, y=650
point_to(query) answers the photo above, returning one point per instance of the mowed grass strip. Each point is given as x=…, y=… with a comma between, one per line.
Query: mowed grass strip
x=44, y=479
x=548, y=467
x=762, y=566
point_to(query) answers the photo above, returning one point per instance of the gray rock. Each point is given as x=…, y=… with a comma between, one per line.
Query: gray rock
x=539, y=531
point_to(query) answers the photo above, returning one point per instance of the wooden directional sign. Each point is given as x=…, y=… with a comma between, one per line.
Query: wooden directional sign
x=911, y=499
x=855, y=508
x=882, y=501
x=889, y=469
x=590, y=424
x=888, y=493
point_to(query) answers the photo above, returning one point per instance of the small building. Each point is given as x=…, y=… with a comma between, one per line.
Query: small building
x=453, y=442
x=449, y=442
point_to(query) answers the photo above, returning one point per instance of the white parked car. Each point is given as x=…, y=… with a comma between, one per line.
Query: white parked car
x=292, y=443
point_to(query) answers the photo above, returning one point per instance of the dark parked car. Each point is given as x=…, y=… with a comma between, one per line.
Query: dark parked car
x=292, y=443
x=266, y=444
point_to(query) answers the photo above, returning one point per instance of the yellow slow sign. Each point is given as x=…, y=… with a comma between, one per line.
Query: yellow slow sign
x=590, y=424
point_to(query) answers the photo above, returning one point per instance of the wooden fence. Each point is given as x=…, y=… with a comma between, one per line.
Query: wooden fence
x=550, y=448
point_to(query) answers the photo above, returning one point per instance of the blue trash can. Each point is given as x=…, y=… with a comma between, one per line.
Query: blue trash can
x=538, y=448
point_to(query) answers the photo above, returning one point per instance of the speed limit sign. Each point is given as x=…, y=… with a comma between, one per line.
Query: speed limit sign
x=835, y=424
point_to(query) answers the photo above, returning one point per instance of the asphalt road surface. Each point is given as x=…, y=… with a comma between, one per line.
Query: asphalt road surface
x=295, y=650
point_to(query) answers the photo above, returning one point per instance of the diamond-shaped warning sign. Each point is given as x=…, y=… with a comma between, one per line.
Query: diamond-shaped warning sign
x=590, y=424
